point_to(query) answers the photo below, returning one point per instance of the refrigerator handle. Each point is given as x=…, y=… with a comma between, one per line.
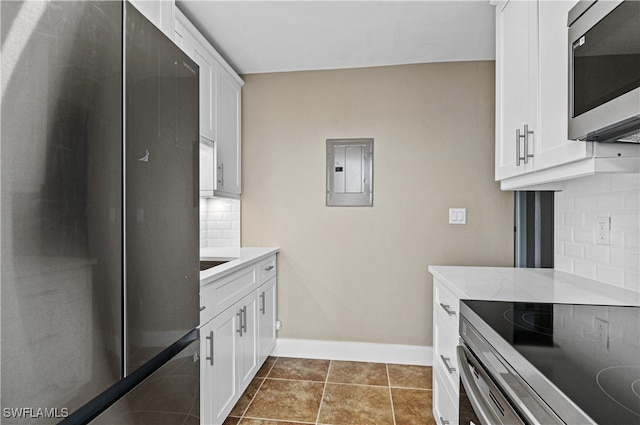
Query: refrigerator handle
x=196, y=174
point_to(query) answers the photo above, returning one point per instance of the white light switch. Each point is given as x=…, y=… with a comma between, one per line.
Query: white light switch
x=457, y=216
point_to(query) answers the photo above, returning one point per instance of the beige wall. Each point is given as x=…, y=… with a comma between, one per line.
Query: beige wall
x=360, y=274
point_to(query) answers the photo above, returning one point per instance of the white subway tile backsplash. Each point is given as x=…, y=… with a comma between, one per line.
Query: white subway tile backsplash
x=585, y=269
x=576, y=208
x=564, y=234
x=632, y=240
x=625, y=182
x=610, y=202
x=632, y=200
x=563, y=263
x=219, y=222
x=625, y=219
x=597, y=254
x=573, y=250
x=612, y=275
x=585, y=203
x=584, y=236
x=574, y=219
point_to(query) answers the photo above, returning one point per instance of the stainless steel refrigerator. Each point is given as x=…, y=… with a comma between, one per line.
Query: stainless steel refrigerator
x=99, y=218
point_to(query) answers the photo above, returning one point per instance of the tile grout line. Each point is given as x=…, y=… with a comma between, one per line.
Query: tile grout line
x=393, y=412
x=324, y=389
x=257, y=391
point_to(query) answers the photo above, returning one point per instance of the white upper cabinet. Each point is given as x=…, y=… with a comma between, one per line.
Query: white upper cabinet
x=187, y=38
x=554, y=147
x=516, y=87
x=228, y=142
x=220, y=113
x=532, y=89
x=159, y=12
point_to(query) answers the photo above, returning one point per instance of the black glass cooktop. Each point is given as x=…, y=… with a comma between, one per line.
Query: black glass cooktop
x=590, y=352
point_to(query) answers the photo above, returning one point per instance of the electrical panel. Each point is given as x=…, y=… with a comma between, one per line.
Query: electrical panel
x=349, y=172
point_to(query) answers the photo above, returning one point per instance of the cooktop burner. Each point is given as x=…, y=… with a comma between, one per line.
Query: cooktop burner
x=622, y=385
x=590, y=352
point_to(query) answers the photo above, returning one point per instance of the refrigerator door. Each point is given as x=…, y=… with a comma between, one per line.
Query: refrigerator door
x=170, y=396
x=60, y=206
x=162, y=192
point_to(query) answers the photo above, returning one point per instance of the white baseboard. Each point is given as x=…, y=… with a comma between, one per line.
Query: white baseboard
x=354, y=351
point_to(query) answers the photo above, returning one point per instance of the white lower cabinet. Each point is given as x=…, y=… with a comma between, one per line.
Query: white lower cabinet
x=266, y=319
x=247, y=340
x=445, y=411
x=238, y=339
x=446, y=378
x=218, y=383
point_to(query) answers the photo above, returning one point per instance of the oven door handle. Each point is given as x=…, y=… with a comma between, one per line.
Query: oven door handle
x=490, y=411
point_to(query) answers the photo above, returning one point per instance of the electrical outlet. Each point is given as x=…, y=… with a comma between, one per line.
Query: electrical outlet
x=602, y=331
x=603, y=230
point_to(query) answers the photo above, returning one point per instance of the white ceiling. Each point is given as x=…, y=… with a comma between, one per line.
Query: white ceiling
x=276, y=36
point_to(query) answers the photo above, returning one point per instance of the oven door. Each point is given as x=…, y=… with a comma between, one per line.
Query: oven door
x=481, y=401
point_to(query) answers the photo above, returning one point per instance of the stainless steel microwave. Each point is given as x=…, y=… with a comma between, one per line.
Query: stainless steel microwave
x=604, y=71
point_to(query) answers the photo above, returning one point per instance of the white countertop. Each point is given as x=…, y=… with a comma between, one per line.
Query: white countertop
x=535, y=285
x=237, y=257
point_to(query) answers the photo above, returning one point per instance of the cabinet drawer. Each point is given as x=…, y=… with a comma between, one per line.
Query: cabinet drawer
x=446, y=304
x=445, y=360
x=267, y=269
x=445, y=408
x=222, y=294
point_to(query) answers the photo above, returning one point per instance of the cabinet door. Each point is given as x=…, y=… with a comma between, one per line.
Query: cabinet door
x=207, y=175
x=159, y=12
x=247, y=340
x=184, y=37
x=266, y=319
x=553, y=146
x=219, y=385
x=228, y=142
x=516, y=76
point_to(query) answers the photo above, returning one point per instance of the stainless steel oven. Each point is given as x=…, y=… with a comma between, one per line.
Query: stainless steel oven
x=545, y=363
x=604, y=71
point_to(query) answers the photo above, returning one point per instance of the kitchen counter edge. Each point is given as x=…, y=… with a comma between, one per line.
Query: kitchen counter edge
x=530, y=285
x=237, y=259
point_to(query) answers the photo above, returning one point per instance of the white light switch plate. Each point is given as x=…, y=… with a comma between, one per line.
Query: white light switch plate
x=457, y=216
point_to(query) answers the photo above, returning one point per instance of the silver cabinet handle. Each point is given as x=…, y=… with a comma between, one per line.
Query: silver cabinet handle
x=447, y=308
x=446, y=361
x=239, y=330
x=443, y=421
x=518, y=137
x=263, y=297
x=524, y=136
x=221, y=174
x=203, y=307
x=244, y=318
x=527, y=155
x=210, y=338
x=269, y=268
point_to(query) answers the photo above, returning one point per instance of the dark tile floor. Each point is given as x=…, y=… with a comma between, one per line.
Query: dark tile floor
x=291, y=391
